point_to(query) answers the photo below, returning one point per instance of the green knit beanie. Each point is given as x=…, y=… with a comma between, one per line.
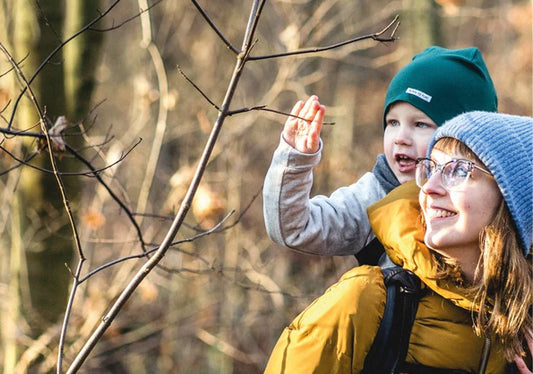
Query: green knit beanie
x=444, y=83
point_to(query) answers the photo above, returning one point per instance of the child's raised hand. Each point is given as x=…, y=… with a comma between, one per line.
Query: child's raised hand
x=303, y=133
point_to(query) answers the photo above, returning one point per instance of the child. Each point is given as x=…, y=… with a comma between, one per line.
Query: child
x=436, y=85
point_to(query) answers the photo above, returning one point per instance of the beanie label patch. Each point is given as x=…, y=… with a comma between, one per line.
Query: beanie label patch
x=424, y=96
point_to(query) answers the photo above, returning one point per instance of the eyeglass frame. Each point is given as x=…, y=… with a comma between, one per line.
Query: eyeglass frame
x=442, y=167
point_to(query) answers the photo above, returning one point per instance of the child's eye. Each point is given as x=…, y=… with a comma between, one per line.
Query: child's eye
x=393, y=122
x=422, y=125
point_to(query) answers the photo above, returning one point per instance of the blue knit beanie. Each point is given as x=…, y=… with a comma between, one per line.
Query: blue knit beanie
x=444, y=83
x=504, y=143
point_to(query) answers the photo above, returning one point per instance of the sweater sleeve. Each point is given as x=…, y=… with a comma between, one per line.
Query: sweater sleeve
x=322, y=225
x=334, y=334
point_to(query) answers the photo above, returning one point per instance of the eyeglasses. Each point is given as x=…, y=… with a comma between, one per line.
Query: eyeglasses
x=454, y=173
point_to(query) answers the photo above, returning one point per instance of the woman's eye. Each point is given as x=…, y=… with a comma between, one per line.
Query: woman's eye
x=460, y=171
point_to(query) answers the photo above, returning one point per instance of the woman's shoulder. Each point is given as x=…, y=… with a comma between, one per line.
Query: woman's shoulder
x=359, y=281
x=360, y=290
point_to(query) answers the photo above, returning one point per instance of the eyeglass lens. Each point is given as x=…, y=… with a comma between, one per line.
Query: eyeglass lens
x=453, y=173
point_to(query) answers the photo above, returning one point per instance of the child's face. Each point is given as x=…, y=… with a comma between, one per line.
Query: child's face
x=407, y=135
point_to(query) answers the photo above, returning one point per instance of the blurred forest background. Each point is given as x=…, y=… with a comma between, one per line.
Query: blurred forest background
x=216, y=304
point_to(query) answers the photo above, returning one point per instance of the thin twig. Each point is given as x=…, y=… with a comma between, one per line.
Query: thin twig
x=92, y=172
x=19, y=162
x=127, y=20
x=9, y=131
x=197, y=88
x=5, y=106
x=265, y=109
x=215, y=29
x=68, y=313
x=12, y=67
x=152, y=250
x=376, y=36
x=113, y=196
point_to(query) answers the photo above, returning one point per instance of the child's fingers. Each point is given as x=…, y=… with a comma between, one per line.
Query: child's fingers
x=305, y=116
x=292, y=121
x=313, y=141
x=309, y=109
x=319, y=115
x=291, y=124
x=295, y=112
x=297, y=108
x=316, y=124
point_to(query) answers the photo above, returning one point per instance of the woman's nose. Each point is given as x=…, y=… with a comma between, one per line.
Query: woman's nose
x=434, y=184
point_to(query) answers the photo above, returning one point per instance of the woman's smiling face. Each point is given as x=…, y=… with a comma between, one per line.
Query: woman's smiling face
x=455, y=217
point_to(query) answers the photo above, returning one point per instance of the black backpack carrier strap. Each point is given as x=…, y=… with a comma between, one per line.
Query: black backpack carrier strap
x=371, y=253
x=391, y=342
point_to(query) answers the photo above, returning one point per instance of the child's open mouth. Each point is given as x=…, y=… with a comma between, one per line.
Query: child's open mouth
x=405, y=163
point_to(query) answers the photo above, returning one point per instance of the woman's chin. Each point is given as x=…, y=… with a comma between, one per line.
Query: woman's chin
x=433, y=242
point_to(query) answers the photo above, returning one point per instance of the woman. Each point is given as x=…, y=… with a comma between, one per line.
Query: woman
x=476, y=197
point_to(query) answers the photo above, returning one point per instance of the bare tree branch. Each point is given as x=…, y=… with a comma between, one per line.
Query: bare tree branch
x=264, y=108
x=197, y=88
x=392, y=27
x=40, y=136
x=152, y=250
x=128, y=212
x=242, y=110
x=217, y=31
x=127, y=20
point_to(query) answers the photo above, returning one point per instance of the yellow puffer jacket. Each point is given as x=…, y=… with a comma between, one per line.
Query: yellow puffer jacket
x=334, y=334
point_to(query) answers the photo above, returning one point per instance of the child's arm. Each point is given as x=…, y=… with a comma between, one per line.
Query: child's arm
x=335, y=225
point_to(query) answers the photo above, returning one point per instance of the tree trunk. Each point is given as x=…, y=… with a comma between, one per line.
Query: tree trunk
x=420, y=27
x=35, y=33
x=80, y=57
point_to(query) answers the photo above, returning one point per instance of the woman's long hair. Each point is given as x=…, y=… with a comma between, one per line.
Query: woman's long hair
x=504, y=290
x=503, y=286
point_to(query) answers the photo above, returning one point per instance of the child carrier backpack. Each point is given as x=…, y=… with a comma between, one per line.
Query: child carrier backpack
x=389, y=349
